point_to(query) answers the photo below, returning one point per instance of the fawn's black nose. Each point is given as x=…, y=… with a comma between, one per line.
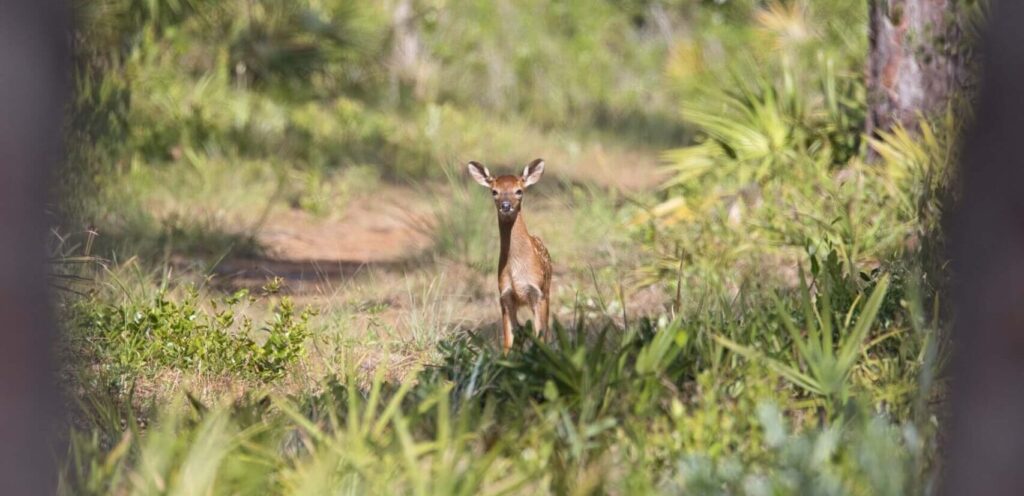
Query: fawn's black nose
x=505, y=207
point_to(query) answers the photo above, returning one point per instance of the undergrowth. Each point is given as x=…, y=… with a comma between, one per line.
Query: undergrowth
x=600, y=409
x=132, y=339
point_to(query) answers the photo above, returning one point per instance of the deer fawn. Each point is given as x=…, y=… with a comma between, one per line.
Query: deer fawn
x=524, y=266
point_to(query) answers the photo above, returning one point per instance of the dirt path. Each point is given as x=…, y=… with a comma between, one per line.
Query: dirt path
x=374, y=229
x=387, y=229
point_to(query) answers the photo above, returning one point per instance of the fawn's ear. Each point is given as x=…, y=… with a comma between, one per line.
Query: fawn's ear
x=480, y=174
x=532, y=172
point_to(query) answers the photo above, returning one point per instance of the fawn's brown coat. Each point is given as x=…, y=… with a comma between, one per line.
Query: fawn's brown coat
x=524, y=265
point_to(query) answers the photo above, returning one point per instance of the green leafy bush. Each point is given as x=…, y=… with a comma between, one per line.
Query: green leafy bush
x=133, y=338
x=761, y=131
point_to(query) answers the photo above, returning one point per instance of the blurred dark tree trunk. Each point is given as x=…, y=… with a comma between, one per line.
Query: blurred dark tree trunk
x=917, y=59
x=986, y=446
x=34, y=68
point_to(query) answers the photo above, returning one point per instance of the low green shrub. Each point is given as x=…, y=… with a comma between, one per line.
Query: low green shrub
x=133, y=338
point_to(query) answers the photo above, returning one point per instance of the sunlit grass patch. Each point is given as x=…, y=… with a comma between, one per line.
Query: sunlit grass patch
x=132, y=338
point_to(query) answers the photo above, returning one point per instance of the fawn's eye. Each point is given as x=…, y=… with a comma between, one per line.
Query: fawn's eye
x=494, y=192
x=519, y=192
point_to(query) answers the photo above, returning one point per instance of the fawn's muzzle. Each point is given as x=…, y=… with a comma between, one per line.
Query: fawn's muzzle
x=505, y=207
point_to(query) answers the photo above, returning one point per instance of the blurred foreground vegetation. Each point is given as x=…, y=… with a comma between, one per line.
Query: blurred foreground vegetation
x=745, y=303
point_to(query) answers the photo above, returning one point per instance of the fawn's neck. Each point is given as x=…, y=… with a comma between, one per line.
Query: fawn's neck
x=515, y=239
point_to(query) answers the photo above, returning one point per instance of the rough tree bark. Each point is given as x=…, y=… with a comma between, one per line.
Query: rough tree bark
x=917, y=59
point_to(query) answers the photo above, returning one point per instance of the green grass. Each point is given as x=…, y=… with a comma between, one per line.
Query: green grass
x=133, y=339
x=763, y=315
x=602, y=408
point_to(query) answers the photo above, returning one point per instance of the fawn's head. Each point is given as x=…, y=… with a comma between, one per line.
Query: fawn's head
x=507, y=190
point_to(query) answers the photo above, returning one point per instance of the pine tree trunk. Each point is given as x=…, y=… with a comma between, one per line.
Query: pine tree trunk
x=917, y=59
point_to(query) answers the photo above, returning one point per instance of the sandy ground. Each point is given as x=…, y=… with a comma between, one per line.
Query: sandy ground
x=310, y=252
x=387, y=230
